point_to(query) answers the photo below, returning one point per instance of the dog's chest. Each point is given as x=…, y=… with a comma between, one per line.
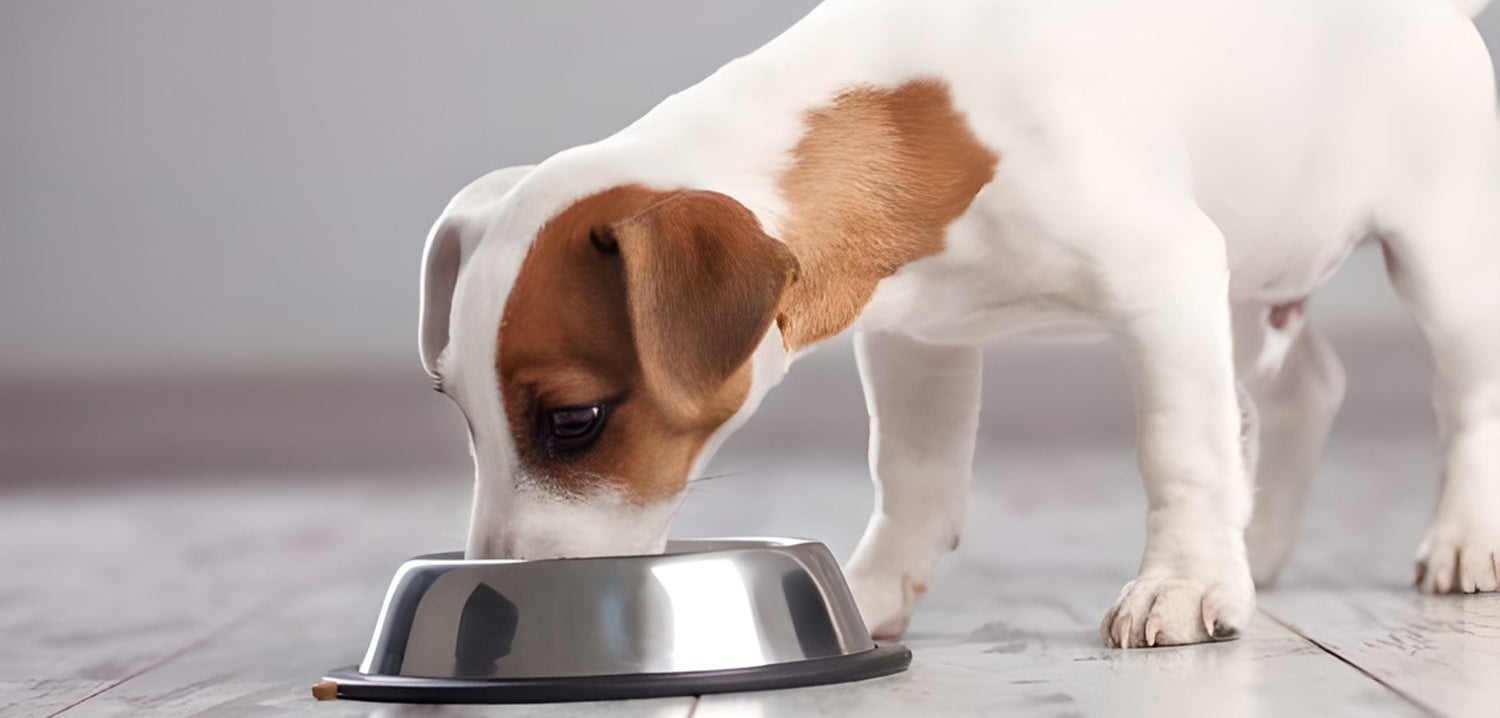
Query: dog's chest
x=980, y=290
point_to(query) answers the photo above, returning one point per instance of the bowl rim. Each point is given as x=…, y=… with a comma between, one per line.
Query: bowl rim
x=882, y=659
x=455, y=559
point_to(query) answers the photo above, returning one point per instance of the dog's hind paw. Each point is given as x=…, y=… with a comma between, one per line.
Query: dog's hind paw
x=1456, y=561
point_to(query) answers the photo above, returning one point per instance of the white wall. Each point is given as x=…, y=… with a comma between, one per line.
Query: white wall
x=189, y=183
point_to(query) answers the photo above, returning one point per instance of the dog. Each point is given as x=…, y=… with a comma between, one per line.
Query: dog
x=936, y=175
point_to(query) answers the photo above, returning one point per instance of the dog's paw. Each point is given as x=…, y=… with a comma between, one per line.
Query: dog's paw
x=885, y=602
x=1458, y=560
x=1171, y=611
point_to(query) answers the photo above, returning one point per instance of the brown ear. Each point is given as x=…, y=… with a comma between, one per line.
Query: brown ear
x=702, y=284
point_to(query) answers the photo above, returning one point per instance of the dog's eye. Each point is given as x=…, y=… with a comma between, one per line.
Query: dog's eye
x=573, y=428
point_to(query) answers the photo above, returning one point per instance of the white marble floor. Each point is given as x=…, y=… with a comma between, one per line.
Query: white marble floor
x=230, y=597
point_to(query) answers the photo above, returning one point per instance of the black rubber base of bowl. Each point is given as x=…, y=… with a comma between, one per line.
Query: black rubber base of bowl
x=881, y=661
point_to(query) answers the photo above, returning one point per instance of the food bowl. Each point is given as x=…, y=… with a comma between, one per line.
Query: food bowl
x=706, y=616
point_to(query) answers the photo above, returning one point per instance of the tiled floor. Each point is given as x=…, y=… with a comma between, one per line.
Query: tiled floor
x=230, y=597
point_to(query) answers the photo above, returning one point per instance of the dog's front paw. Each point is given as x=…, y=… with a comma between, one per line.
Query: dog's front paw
x=885, y=601
x=1171, y=611
x=1456, y=558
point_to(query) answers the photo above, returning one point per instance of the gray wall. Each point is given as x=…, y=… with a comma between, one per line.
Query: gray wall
x=236, y=185
x=194, y=183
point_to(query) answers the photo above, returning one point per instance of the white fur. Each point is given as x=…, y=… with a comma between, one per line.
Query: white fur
x=1171, y=169
x=534, y=523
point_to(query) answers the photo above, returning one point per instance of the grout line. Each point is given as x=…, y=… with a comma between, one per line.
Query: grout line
x=693, y=709
x=158, y=663
x=1425, y=708
x=244, y=618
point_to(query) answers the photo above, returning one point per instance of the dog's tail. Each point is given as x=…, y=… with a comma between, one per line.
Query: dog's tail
x=1473, y=7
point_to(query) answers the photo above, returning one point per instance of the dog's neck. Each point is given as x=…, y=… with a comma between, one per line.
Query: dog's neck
x=768, y=366
x=858, y=179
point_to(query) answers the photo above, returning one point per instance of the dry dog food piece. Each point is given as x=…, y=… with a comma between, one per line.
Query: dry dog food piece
x=325, y=690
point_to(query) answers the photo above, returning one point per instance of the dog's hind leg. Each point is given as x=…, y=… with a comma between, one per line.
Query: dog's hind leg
x=1296, y=385
x=1443, y=254
x=924, y=412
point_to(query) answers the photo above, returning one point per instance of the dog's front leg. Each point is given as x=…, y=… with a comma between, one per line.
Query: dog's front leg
x=924, y=413
x=1172, y=314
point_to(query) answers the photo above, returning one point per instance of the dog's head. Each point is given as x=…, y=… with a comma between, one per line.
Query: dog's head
x=600, y=348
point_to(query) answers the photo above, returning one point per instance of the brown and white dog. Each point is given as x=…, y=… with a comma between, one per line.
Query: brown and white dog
x=934, y=175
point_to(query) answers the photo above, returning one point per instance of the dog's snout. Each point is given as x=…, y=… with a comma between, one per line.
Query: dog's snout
x=485, y=545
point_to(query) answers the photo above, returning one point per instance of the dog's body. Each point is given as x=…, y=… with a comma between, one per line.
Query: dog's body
x=936, y=175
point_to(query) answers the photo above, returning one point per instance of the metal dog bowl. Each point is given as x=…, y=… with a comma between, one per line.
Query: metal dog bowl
x=706, y=616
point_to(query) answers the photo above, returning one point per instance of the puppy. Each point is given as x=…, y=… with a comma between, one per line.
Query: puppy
x=936, y=175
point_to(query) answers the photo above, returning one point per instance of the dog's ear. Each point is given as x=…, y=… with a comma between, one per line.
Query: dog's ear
x=449, y=245
x=702, y=285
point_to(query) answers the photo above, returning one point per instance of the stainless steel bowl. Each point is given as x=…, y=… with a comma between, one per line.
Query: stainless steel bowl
x=706, y=616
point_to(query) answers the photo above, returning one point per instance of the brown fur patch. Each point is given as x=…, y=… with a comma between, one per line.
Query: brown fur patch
x=877, y=177
x=646, y=300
